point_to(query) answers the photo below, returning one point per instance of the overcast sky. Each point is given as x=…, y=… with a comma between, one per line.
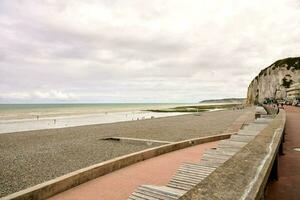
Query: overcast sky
x=140, y=50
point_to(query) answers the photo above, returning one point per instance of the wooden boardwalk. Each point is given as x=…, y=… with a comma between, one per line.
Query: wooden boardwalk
x=191, y=174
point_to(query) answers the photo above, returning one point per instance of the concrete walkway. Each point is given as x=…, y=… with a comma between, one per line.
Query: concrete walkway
x=288, y=185
x=121, y=183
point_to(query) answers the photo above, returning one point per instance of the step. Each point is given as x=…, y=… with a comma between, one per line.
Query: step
x=219, y=152
x=150, y=192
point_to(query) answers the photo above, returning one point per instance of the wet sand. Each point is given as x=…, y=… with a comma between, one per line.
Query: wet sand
x=32, y=157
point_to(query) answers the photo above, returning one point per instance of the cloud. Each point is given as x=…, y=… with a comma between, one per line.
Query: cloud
x=147, y=51
x=52, y=95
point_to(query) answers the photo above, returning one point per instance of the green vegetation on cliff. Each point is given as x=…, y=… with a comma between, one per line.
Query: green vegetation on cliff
x=291, y=63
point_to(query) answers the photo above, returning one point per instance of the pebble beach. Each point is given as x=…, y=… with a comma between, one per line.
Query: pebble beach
x=32, y=157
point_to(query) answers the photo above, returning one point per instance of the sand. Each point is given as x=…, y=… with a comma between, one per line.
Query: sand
x=32, y=157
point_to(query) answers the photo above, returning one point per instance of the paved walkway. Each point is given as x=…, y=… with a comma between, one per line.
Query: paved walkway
x=288, y=185
x=121, y=183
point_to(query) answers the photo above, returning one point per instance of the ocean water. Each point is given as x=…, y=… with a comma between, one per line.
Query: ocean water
x=27, y=111
x=24, y=117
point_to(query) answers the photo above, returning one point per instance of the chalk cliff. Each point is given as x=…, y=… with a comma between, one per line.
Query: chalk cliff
x=273, y=81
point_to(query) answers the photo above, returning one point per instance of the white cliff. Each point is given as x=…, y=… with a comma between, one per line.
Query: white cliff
x=273, y=81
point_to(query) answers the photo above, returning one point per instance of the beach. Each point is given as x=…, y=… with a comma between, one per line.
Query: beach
x=32, y=157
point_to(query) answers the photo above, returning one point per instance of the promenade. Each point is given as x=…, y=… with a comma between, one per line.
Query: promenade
x=119, y=184
x=287, y=187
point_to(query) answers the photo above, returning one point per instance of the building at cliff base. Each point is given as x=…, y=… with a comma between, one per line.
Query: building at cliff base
x=293, y=92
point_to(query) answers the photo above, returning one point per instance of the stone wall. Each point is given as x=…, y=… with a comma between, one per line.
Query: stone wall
x=273, y=81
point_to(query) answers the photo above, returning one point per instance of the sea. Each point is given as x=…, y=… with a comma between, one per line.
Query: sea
x=26, y=117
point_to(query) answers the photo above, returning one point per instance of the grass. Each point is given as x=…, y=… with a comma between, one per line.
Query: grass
x=196, y=108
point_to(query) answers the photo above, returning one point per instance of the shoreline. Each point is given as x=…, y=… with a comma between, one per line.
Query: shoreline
x=31, y=111
x=20, y=125
x=63, y=121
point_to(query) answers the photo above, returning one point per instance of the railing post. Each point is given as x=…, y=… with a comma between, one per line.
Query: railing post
x=274, y=170
x=281, y=153
x=281, y=150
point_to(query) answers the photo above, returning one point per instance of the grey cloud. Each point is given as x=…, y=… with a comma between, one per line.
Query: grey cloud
x=149, y=53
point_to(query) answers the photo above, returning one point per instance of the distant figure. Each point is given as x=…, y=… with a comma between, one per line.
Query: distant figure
x=152, y=117
x=54, y=121
x=37, y=117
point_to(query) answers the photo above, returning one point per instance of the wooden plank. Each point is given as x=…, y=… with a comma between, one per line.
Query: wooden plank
x=181, y=187
x=170, y=189
x=199, y=166
x=213, y=160
x=194, y=170
x=183, y=177
x=216, y=156
x=192, y=178
x=143, y=196
x=183, y=183
x=231, y=148
x=192, y=173
x=191, y=181
x=150, y=195
x=187, y=179
x=209, y=164
x=236, y=143
x=155, y=193
x=220, y=152
x=163, y=189
x=132, y=197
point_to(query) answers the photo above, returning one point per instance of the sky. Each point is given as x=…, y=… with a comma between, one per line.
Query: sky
x=123, y=51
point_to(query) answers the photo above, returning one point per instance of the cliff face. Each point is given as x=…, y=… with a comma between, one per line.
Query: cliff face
x=273, y=81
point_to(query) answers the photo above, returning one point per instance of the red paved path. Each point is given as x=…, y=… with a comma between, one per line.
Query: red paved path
x=121, y=183
x=288, y=185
